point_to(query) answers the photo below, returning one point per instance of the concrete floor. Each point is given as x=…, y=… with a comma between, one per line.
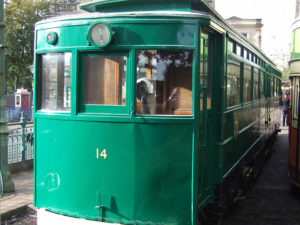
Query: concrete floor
x=272, y=200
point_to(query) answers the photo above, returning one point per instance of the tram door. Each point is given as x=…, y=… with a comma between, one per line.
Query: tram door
x=206, y=112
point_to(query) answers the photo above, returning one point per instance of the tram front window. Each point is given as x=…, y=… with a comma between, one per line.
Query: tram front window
x=164, y=82
x=55, y=81
x=105, y=80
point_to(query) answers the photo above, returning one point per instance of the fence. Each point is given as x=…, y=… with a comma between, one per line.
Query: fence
x=20, y=142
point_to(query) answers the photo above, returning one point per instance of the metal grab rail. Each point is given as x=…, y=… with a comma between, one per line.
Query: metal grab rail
x=20, y=142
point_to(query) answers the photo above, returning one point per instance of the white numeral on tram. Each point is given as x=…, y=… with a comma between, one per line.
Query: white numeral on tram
x=102, y=154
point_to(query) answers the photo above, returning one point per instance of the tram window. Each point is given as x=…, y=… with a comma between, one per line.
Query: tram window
x=255, y=84
x=233, y=83
x=250, y=56
x=245, y=53
x=262, y=94
x=278, y=87
x=55, y=81
x=247, y=84
x=230, y=46
x=104, y=80
x=205, y=78
x=238, y=50
x=164, y=82
x=275, y=87
x=272, y=87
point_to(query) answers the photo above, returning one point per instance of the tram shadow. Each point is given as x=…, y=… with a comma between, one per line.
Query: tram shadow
x=270, y=198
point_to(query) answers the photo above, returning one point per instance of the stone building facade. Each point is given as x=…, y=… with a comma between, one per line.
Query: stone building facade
x=250, y=28
x=211, y=2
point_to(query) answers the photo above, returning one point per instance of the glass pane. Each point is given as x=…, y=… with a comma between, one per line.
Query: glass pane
x=255, y=84
x=202, y=63
x=247, y=85
x=238, y=50
x=230, y=46
x=272, y=87
x=233, y=84
x=56, y=81
x=262, y=95
x=105, y=80
x=164, y=82
x=245, y=53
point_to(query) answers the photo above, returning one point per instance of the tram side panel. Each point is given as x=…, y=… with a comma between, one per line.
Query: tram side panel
x=114, y=171
x=249, y=120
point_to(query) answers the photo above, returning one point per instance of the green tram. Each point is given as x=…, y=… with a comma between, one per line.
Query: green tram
x=294, y=123
x=146, y=112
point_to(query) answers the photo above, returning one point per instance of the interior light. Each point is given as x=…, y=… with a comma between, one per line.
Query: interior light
x=100, y=34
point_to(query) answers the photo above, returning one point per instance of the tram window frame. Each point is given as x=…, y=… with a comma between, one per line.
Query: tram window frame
x=261, y=85
x=246, y=53
x=60, y=100
x=171, y=102
x=230, y=46
x=237, y=101
x=271, y=86
x=103, y=108
x=238, y=50
x=255, y=84
x=250, y=56
x=278, y=87
x=247, y=98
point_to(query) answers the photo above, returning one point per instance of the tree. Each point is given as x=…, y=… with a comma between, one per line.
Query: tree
x=20, y=17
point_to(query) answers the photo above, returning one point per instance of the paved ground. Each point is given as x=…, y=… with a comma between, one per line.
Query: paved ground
x=16, y=202
x=272, y=200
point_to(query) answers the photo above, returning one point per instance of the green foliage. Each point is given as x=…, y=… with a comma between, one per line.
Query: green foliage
x=20, y=17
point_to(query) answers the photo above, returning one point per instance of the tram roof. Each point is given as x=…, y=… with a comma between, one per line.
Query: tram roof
x=296, y=24
x=142, y=5
x=92, y=15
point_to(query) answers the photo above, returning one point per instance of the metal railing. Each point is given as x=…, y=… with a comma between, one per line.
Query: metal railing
x=20, y=141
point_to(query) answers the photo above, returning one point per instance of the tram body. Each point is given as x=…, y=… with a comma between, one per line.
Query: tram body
x=294, y=167
x=142, y=116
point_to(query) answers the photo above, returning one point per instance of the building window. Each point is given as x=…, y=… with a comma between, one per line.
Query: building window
x=245, y=35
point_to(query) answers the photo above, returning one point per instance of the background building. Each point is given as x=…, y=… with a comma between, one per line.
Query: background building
x=250, y=28
x=62, y=8
x=211, y=2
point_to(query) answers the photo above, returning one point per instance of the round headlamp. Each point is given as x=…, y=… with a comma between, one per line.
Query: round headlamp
x=52, y=38
x=100, y=34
